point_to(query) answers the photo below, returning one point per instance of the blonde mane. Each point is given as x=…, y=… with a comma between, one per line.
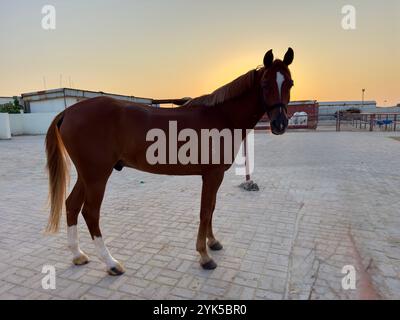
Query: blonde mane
x=227, y=92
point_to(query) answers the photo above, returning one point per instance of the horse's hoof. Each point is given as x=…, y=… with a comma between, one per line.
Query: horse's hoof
x=216, y=246
x=116, y=271
x=81, y=260
x=210, y=265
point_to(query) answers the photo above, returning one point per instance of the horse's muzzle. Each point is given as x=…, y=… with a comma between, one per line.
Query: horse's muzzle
x=280, y=123
x=277, y=129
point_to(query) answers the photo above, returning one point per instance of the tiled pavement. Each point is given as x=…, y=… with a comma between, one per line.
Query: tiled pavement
x=326, y=200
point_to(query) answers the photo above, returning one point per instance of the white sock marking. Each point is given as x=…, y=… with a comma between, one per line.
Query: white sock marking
x=73, y=241
x=104, y=254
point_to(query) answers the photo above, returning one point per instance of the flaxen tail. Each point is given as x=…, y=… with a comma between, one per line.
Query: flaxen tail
x=57, y=167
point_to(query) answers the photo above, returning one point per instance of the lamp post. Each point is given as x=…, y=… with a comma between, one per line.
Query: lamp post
x=363, y=93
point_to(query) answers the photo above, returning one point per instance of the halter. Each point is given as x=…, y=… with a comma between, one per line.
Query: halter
x=280, y=106
x=265, y=105
x=263, y=102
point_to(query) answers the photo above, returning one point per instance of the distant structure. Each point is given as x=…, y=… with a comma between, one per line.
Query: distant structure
x=387, y=109
x=56, y=100
x=327, y=110
x=302, y=115
x=4, y=100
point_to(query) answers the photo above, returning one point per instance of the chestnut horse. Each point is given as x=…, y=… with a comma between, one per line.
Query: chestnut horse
x=102, y=134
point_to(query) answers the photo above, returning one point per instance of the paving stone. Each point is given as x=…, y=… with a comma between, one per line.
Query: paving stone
x=326, y=200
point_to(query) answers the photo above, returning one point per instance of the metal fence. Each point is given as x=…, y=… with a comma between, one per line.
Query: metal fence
x=368, y=122
x=343, y=122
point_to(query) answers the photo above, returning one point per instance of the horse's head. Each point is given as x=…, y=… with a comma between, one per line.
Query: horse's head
x=276, y=83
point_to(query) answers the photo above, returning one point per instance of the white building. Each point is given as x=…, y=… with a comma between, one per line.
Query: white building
x=54, y=101
x=4, y=100
x=328, y=109
x=41, y=107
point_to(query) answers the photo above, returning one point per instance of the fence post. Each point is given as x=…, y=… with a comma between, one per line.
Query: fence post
x=246, y=159
x=338, y=121
x=371, y=123
x=386, y=123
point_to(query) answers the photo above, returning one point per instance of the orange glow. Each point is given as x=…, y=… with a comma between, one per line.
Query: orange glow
x=151, y=49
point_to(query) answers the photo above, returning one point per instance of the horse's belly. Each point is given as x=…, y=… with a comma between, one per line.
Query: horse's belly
x=168, y=169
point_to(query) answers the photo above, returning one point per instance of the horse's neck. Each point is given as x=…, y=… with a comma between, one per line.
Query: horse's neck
x=246, y=111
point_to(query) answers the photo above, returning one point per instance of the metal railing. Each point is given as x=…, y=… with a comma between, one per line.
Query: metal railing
x=368, y=121
x=344, y=122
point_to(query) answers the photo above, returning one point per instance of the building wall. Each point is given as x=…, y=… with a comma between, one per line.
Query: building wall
x=52, y=105
x=58, y=104
x=5, y=132
x=327, y=110
x=16, y=124
x=4, y=100
x=30, y=123
x=58, y=99
x=385, y=110
x=312, y=111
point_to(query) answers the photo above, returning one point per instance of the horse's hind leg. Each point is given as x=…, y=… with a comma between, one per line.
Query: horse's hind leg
x=213, y=243
x=73, y=207
x=94, y=193
x=211, y=184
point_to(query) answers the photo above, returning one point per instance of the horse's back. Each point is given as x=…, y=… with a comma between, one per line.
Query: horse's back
x=102, y=106
x=96, y=129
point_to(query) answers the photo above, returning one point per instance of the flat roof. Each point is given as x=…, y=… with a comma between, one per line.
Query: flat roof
x=345, y=103
x=77, y=91
x=298, y=102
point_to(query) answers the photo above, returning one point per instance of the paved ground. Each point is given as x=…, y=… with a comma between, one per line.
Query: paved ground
x=326, y=200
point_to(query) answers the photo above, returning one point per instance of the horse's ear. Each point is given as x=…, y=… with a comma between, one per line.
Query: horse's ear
x=289, y=56
x=268, y=59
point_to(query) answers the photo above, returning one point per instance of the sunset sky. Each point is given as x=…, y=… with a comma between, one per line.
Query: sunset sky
x=178, y=48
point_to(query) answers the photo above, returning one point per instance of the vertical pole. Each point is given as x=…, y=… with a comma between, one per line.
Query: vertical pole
x=363, y=93
x=395, y=122
x=337, y=121
x=65, y=100
x=246, y=159
x=386, y=123
x=371, y=123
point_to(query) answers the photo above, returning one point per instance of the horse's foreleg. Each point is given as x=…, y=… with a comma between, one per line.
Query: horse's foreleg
x=211, y=184
x=94, y=194
x=73, y=206
x=213, y=243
